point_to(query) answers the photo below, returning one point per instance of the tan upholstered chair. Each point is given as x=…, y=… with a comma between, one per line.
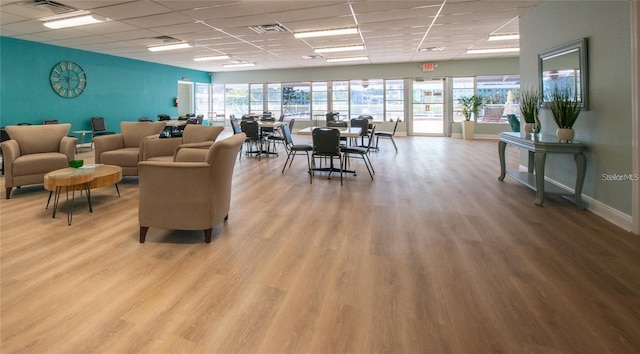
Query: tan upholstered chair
x=194, y=136
x=188, y=195
x=34, y=150
x=124, y=149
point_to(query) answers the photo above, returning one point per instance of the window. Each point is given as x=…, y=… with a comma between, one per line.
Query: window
x=202, y=99
x=498, y=91
x=274, y=99
x=296, y=100
x=367, y=98
x=340, y=97
x=319, y=98
x=256, y=102
x=394, y=99
x=462, y=87
x=217, y=102
x=236, y=99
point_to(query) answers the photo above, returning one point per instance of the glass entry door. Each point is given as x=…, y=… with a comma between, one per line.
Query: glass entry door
x=428, y=107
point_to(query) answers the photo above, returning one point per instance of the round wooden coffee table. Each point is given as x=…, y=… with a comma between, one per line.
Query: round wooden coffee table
x=85, y=178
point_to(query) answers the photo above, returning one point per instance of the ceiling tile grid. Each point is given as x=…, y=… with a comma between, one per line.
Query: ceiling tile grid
x=391, y=31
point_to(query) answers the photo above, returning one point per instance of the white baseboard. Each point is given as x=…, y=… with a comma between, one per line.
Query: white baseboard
x=478, y=136
x=597, y=207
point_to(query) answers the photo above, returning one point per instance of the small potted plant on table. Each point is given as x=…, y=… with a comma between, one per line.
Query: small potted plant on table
x=565, y=109
x=530, y=109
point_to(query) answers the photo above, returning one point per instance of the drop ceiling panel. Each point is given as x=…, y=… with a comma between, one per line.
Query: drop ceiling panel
x=131, y=10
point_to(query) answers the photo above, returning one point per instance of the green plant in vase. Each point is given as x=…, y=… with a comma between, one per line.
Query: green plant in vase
x=470, y=106
x=530, y=109
x=565, y=109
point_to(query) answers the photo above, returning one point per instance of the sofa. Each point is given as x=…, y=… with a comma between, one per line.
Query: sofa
x=33, y=151
x=201, y=199
x=194, y=136
x=125, y=149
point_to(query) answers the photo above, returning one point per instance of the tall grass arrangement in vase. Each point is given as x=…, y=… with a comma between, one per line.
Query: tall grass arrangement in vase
x=564, y=107
x=530, y=109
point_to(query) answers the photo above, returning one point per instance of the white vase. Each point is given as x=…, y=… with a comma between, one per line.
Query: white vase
x=565, y=135
x=528, y=128
x=468, y=129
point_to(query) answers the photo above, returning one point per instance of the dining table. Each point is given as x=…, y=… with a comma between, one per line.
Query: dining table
x=348, y=132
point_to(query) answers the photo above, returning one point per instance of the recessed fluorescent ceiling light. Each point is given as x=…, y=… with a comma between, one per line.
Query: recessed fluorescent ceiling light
x=492, y=50
x=212, y=57
x=75, y=21
x=503, y=37
x=172, y=46
x=338, y=49
x=331, y=32
x=337, y=60
x=238, y=65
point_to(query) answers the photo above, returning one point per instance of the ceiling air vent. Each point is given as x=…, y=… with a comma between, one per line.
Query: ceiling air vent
x=167, y=39
x=267, y=28
x=311, y=57
x=55, y=7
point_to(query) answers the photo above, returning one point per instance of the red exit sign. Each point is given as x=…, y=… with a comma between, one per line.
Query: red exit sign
x=428, y=67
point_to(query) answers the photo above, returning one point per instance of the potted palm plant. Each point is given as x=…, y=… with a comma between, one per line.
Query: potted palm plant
x=470, y=106
x=530, y=109
x=565, y=109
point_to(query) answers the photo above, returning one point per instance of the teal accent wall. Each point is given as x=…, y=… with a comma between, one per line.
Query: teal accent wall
x=118, y=89
x=607, y=127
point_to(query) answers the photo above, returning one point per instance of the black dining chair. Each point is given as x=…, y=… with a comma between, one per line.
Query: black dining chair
x=162, y=117
x=295, y=149
x=99, y=128
x=388, y=135
x=363, y=124
x=326, y=145
x=144, y=119
x=50, y=121
x=333, y=120
x=252, y=130
x=360, y=152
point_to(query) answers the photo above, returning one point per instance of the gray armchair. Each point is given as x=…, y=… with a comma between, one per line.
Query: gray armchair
x=200, y=201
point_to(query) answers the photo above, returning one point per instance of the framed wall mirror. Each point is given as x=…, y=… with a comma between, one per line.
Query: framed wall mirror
x=565, y=67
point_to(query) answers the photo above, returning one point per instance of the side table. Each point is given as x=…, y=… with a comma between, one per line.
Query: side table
x=539, y=146
x=83, y=134
x=68, y=178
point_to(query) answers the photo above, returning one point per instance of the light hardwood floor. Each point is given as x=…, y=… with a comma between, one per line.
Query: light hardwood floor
x=435, y=255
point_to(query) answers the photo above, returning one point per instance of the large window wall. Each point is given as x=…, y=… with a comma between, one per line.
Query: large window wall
x=382, y=99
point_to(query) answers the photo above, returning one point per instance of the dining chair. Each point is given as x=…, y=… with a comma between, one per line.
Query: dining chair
x=363, y=124
x=252, y=130
x=99, y=128
x=295, y=149
x=388, y=135
x=360, y=152
x=332, y=119
x=162, y=117
x=50, y=121
x=144, y=119
x=326, y=145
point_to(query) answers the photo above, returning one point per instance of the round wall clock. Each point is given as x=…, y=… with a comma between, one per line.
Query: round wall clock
x=68, y=79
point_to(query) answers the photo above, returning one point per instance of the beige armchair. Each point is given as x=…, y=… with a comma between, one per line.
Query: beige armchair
x=188, y=195
x=125, y=149
x=34, y=150
x=194, y=136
